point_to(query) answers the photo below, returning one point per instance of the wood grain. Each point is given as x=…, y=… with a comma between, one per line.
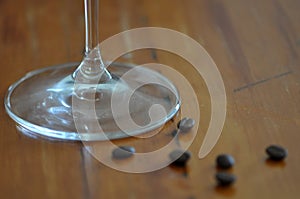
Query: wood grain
x=256, y=45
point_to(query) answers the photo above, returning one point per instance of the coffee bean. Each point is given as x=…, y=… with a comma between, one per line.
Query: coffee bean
x=225, y=179
x=276, y=152
x=185, y=124
x=225, y=161
x=123, y=152
x=179, y=157
x=174, y=133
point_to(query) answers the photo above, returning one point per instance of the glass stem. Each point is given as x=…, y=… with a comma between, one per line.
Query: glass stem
x=91, y=16
x=92, y=65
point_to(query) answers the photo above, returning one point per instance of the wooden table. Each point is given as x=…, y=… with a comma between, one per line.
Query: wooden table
x=256, y=46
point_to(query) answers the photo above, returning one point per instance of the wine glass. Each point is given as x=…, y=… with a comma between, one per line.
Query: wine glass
x=52, y=102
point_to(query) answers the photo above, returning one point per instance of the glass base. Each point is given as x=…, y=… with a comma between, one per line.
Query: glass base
x=42, y=103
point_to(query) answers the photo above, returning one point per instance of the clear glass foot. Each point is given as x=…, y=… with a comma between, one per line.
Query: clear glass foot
x=42, y=102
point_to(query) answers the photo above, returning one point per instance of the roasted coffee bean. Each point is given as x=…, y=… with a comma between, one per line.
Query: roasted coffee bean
x=225, y=179
x=123, y=152
x=185, y=124
x=174, y=133
x=276, y=152
x=225, y=161
x=179, y=157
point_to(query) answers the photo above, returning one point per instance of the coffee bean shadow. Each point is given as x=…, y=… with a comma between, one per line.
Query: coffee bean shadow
x=181, y=170
x=219, y=169
x=227, y=191
x=271, y=163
